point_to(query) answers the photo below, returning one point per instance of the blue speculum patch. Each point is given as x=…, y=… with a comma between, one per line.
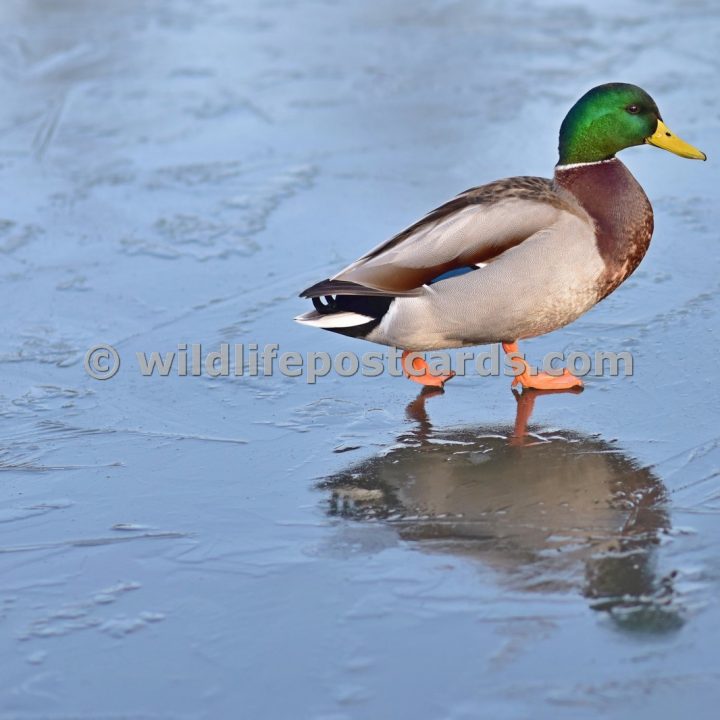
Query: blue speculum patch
x=453, y=273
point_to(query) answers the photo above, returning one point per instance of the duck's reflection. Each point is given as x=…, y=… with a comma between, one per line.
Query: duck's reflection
x=555, y=512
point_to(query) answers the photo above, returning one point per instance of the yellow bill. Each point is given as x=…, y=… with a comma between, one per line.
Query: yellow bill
x=664, y=139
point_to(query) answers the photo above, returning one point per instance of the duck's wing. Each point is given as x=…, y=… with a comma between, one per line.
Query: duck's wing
x=473, y=228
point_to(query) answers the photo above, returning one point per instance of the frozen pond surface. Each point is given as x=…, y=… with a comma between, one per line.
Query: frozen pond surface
x=184, y=547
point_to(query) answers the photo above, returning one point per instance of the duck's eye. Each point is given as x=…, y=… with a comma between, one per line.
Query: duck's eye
x=633, y=109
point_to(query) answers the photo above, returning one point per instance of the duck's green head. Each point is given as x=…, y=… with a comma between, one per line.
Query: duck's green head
x=612, y=117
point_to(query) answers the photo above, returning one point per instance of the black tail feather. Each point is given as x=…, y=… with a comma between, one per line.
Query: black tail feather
x=344, y=287
x=336, y=296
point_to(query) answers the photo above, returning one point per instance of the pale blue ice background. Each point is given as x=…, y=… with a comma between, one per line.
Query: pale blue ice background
x=177, y=171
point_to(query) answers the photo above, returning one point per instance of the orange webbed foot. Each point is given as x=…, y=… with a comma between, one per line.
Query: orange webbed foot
x=419, y=371
x=541, y=380
x=545, y=381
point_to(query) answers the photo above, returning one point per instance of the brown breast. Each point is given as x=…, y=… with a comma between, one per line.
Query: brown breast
x=622, y=214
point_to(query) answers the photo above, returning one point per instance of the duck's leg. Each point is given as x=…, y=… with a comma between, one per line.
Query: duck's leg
x=541, y=380
x=421, y=371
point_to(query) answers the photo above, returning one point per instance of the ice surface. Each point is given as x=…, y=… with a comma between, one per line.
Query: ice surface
x=183, y=547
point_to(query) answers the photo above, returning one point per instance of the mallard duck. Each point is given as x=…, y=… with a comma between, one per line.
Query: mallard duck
x=512, y=259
